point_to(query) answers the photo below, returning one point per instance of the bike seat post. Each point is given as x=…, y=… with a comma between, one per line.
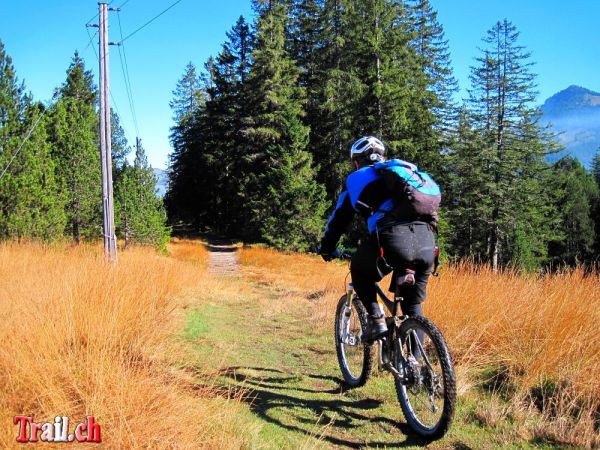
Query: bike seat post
x=405, y=278
x=397, y=300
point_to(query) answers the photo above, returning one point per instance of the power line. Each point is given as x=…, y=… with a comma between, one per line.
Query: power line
x=92, y=18
x=33, y=127
x=149, y=22
x=22, y=143
x=125, y=70
x=129, y=93
x=91, y=39
x=114, y=102
x=98, y=13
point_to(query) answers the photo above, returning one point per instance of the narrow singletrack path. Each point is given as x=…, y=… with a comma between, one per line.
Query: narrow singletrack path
x=222, y=258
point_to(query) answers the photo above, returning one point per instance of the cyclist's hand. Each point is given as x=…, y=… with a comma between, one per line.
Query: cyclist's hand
x=326, y=255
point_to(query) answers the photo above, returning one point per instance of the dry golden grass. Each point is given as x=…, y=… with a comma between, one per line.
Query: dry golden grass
x=300, y=279
x=82, y=337
x=187, y=250
x=535, y=339
x=539, y=333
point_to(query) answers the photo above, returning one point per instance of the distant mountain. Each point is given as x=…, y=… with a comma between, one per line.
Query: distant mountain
x=575, y=112
x=162, y=180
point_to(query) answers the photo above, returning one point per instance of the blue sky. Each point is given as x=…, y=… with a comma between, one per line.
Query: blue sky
x=563, y=37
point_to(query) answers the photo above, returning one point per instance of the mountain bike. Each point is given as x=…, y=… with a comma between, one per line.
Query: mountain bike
x=414, y=351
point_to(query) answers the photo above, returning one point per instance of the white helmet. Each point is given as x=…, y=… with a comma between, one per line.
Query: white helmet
x=367, y=150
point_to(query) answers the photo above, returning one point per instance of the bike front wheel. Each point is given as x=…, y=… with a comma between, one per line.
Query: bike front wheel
x=354, y=356
x=427, y=394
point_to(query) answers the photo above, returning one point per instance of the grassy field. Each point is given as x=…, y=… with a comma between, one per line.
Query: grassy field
x=526, y=349
x=167, y=355
x=81, y=337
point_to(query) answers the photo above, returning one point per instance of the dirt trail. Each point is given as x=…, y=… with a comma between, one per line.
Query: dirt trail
x=258, y=334
x=290, y=375
x=222, y=259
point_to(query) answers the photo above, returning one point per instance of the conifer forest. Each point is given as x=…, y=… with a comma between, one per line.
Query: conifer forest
x=261, y=137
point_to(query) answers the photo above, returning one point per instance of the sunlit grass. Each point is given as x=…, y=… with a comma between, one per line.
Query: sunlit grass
x=535, y=340
x=83, y=337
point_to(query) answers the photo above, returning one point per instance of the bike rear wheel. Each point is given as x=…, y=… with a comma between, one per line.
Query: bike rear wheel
x=354, y=356
x=428, y=397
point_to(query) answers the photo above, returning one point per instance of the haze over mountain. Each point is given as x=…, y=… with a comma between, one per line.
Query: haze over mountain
x=575, y=113
x=162, y=180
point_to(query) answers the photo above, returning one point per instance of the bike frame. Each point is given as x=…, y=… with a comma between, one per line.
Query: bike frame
x=384, y=347
x=401, y=352
x=391, y=305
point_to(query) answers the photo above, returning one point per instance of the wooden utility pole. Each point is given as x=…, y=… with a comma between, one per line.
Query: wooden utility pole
x=110, y=238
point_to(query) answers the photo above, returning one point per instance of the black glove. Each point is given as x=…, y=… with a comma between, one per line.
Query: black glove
x=327, y=256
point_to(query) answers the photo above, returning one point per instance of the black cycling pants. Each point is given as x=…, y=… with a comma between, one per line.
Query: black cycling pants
x=406, y=246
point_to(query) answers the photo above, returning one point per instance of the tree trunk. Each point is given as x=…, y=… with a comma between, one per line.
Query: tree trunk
x=76, y=232
x=494, y=245
x=378, y=62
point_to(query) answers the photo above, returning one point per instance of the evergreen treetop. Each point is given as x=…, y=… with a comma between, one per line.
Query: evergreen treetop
x=79, y=84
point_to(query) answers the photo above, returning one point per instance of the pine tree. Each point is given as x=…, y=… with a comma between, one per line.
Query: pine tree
x=596, y=166
x=284, y=203
x=12, y=108
x=596, y=207
x=12, y=102
x=359, y=82
x=332, y=98
x=213, y=142
x=431, y=107
x=575, y=195
x=120, y=150
x=189, y=96
x=119, y=146
x=188, y=101
x=466, y=204
x=305, y=36
x=74, y=137
x=29, y=202
x=36, y=206
x=142, y=216
x=512, y=151
x=376, y=43
x=227, y=113
x=382, y=69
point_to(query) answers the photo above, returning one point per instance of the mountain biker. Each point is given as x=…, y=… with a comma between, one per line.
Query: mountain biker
x=397, y=239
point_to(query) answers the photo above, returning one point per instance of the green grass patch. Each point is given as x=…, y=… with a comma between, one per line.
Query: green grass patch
x=294, y=393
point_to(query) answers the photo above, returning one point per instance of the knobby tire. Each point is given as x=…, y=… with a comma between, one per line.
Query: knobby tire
x=353, y=378
x=448, y=379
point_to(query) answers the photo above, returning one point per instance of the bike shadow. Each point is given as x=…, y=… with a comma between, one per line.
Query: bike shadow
x=323, y=412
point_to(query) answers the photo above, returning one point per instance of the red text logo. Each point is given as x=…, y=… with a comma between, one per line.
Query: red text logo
x=57, y=431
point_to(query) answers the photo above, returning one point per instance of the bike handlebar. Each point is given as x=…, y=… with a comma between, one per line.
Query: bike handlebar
x=345, y=255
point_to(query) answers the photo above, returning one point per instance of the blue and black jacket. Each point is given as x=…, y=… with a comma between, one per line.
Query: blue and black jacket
x=366, y=194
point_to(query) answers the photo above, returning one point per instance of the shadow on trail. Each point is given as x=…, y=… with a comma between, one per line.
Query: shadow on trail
x=212, y=247
x=220, y=245
x=330, y=418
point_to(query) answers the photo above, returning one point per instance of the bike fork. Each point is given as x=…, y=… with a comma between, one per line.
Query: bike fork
x=349, y=294
x=346, y=339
